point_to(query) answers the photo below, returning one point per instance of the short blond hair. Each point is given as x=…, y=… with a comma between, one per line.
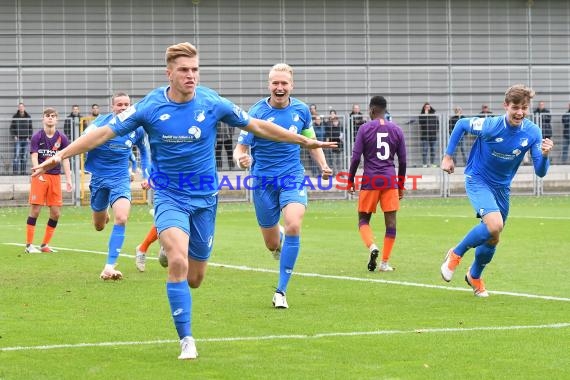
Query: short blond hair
x=183, y=49
x=281, y=67
x=518, y=94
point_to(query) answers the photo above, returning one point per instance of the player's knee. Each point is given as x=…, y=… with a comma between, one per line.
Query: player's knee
x=195, y=280
x=121, y=219
x=293, y=229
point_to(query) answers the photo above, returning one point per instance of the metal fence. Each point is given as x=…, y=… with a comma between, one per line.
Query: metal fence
x=430, y=180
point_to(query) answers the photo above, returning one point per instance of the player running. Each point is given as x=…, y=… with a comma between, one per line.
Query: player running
x=110, y=180
x=279, y=174
x=498, y=150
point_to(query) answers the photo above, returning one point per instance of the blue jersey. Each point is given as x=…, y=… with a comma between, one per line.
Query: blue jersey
x=111, y=159
x=271, y=158
x=182, y=137
x=499, y=148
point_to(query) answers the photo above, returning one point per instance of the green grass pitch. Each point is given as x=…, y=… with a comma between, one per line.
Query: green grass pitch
x=58, y=320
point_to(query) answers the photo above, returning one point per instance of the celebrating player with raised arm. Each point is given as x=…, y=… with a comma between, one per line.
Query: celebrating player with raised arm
x=180, y=121
x=498, y=150
x=285, y=194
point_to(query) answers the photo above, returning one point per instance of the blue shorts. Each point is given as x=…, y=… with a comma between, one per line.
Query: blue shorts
x=195, y=216
x=485, y=198
x=270, y=198
x=105, y=191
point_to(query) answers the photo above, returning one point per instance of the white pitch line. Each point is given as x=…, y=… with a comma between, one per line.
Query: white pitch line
x=296, y=336
x=336, y=277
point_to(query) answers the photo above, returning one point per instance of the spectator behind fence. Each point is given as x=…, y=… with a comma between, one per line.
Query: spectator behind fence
x=544, y=114
x=485, y=111
x=356, y=118
x=94, y=110
x=565, y=135
x=313, y=110
x=452, y=120
x=429, y=126
x=21, y=132
x=71, y=122
x=335, y=132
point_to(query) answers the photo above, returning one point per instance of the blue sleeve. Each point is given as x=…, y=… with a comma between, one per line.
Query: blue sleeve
x=461, y=127
x=232, y=114
x=128, y=120
x=245, y=138
x=540, y=163
x=145, y=153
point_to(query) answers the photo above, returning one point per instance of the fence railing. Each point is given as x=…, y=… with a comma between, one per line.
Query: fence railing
x=429, y=179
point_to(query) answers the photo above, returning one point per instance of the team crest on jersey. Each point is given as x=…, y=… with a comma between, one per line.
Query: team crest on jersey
x=199, y=116
x=293, y=129
x=524, y=142
x=195, y=132
x=164, y=117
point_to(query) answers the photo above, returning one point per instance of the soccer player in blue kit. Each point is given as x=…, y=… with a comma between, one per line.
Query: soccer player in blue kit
x=110, y=180
x=498, y=150
x=180, y=120
x=278, y=172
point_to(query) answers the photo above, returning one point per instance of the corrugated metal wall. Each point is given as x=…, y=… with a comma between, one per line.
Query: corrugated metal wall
x=64, y=52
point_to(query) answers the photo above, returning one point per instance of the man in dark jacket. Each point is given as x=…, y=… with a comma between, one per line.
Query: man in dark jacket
x=71, y=122
x=21, y=132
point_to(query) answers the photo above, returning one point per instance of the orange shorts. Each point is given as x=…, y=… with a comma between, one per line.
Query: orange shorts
x=388, y=198
x=46, y=190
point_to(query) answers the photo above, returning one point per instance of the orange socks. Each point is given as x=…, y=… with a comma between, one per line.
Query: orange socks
x=150, y=238
x=387, y=250
x=366, y=234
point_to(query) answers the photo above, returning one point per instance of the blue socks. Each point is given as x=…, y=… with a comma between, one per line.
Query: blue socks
x=289, y=255
x=483, y=255
x=180, y=301
x=115, y=243
x=474, y=238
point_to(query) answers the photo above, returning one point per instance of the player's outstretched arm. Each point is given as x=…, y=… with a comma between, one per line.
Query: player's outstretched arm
x=272, y=131
x=83, y=144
